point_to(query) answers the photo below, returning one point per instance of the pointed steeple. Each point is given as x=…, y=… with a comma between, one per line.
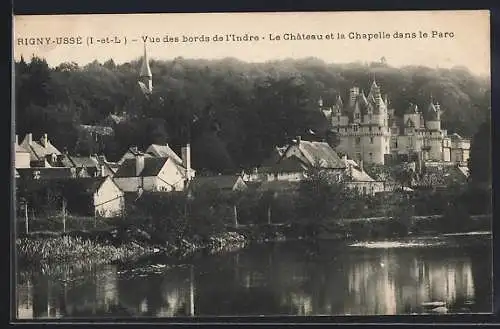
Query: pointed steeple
x=339, y=102
x=375, y=91
x=145, y=75
x=145, y=69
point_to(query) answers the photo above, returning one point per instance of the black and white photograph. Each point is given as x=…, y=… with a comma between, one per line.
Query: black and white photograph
x=251, y=164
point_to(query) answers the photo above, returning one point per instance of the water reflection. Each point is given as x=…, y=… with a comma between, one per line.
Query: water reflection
x=287, y=278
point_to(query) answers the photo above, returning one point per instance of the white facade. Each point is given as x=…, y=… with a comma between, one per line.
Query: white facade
x=169, y=178
x=109, y=199
x=368, y=130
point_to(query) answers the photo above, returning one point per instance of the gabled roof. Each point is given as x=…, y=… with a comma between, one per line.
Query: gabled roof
x=38, y=151
x=290, y=164
x=163, y=151
x=75, y=161
x=223, y=182
x=152, y=167
x=312, y=152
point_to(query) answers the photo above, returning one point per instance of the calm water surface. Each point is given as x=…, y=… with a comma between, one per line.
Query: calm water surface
x=288, y=278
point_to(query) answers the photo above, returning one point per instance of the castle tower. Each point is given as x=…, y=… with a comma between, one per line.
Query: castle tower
x=435, y=137
x=353, y=94
x=433, y=116
x=375, y=92
x=145, y=75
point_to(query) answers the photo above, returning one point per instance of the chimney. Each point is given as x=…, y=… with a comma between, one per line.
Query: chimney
x=186, y=159
x=139, y=164
x=44, y=140
x=29, y=138
x=298, y=138
x=361, y=165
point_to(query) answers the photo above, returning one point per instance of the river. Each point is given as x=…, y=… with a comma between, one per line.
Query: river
x=283, y=278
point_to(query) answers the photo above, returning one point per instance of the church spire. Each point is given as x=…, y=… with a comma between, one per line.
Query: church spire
x=145, y=75
x=145, y=69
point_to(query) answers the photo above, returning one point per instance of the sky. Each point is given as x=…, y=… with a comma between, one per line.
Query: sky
x=467, y=43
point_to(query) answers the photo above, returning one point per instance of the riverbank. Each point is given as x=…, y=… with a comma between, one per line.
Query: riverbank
x=101, y=247
x=130, y=244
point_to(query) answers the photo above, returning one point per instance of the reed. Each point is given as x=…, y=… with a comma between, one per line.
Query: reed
x=69, y=248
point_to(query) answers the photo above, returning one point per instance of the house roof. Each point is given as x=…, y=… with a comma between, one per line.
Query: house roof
x=436, y=176
x=152, y=167
x=45, y=173
x=163, y=151
x=75, y=161
x=222, y=182
x=39, y=151
x=286, y=165
x=357, y=174
x=319, y=151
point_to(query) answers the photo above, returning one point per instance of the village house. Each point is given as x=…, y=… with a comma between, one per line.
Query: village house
x=131, y=153
x=87, y=196
x=223, y=183
x=88, y=164
x=42, y=152
x=151, y=174
x=292, y=162
x=50, y=173
x=164, y=151
x=355, y=177
x=22, y=156
x=96, y=196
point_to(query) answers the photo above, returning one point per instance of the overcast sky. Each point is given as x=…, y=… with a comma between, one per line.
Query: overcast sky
x=469, y=46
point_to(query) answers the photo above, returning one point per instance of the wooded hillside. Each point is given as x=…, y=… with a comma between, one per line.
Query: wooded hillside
x=236, y=112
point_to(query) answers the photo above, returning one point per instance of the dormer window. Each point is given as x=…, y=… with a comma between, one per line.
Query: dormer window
x=356, y=116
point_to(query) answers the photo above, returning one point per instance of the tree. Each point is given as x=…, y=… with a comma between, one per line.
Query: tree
x=480, y=156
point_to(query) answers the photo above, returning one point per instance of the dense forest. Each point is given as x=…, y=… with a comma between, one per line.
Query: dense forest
x=234, y=113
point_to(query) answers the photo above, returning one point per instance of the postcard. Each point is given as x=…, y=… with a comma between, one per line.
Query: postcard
x=252, y=164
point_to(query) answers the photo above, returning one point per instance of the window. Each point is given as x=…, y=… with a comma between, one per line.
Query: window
x=358, y=140
x=370, y=129
x=371, y=140
x=356, y=115
x=370, y=117
x=355, y=128
x=370, y=155
x=364, y=189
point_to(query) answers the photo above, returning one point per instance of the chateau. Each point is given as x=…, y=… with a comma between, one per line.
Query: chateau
x=369, y=130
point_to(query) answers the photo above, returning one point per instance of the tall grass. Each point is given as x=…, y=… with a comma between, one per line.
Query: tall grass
x=69, y=248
